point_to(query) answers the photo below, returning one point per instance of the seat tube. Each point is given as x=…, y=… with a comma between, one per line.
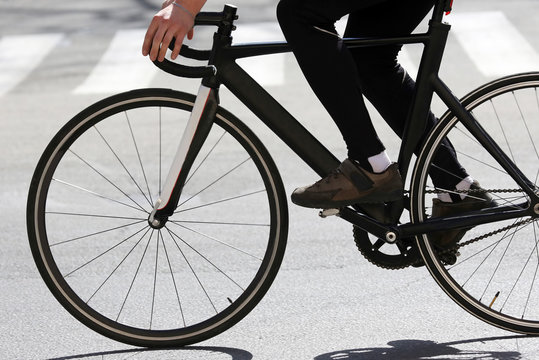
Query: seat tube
x=196, y=132
x=419, y=111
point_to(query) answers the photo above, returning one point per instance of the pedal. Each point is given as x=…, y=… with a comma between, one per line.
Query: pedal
x=329, y=212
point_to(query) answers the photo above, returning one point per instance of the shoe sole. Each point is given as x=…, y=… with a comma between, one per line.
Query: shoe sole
x=388, y=197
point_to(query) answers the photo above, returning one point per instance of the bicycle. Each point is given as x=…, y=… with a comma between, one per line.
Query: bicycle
x=151, y=260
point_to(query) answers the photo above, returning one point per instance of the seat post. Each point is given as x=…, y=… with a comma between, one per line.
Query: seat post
x=440, y=7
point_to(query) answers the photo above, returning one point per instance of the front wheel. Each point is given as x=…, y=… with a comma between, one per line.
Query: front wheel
x=88, y=208
x=494, y=270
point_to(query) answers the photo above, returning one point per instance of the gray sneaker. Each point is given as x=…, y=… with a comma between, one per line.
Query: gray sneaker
x=350, y=184
x=476, y=200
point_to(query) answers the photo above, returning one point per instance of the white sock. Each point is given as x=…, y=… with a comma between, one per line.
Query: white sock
x=464, y=185
x=461, y=186
x=380, y=162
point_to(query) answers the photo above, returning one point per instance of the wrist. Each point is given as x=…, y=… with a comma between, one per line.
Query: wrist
x=191, y=7
x=184, y=9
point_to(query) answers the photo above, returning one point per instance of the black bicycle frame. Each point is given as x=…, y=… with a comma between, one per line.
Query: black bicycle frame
x=317, y=156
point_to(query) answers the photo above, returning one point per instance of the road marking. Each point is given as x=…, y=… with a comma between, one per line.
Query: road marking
x=266, y=70
x=122, y=67
x=20, y=54
x=493, y=43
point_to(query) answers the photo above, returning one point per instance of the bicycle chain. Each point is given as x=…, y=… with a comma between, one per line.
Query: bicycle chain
x=394, y=265
x=454, y=250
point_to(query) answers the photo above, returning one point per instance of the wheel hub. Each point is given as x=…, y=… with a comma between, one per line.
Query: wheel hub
x=157, y=223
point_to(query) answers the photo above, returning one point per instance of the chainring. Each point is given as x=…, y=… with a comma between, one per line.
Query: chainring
x=402, y=254
x=396, y=256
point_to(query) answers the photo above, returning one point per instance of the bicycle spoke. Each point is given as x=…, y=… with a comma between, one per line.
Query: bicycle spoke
x=107, y=179
x=93, y=215
x=191, y=267
x=96, y=233
x=218, y=223
x=491, y=246
x=499, y=263
x=215, y=181
x=217, y=240
x=96, y=194
x=531, y=288
x=154, y=278
x=172, y=277
x=526, y=126
x=193, y=173
x=160, y=149
x=107, y=251
x=535, y=272
x=211, y=262
x=135, y=276
x=502, y=130
x=139, y=158
x=519, y=275
x=123, y=165
x=220, y=201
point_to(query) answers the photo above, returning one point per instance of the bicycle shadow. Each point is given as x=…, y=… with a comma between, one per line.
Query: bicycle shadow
x=424, y=350
x=232, y=353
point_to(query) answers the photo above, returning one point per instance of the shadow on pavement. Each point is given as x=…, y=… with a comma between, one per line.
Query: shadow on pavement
x=424, y=350
x=204, y=352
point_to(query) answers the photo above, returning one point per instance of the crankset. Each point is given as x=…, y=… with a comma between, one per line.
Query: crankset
x=395, y=256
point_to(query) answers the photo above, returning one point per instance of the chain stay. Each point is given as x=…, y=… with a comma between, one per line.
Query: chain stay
x=455, y=248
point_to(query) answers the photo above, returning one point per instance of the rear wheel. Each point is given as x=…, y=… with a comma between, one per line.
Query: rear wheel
x=88, y=208
x=496, y=273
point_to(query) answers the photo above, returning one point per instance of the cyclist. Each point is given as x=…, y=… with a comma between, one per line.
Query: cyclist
x=340, y=77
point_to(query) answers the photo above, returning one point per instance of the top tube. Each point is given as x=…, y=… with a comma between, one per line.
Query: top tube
x=225, y=21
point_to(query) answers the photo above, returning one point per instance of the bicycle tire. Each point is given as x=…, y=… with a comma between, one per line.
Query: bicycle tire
x=495, y=274
x=93, y=190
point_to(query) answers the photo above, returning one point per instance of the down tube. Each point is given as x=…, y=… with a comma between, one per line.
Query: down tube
x=278, y=119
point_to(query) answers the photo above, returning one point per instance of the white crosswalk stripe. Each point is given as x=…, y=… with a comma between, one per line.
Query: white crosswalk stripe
x=122, y=67
x=494, y=43
x=490, y=40
x=20, y=54
x=266, y=70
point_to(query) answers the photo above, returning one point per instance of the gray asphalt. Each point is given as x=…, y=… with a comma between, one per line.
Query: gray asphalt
x=327, y=302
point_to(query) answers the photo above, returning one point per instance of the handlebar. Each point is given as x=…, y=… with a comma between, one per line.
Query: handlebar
x=224, y=20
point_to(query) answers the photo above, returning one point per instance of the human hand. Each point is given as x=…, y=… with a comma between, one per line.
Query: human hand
x=173, y=21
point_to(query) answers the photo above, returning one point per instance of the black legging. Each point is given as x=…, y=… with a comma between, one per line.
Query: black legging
x=339, y=76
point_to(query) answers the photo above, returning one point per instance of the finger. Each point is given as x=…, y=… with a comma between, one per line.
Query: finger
x=177, y=48
x=190, y=34
x=148, y=38
x=164, y=46
x=156, y=44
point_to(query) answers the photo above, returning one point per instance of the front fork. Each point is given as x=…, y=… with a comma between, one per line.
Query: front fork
x=196, y=131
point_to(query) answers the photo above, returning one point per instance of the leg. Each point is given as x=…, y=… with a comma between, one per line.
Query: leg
x=331, y=71
x=386, y=84
x=329, y=67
